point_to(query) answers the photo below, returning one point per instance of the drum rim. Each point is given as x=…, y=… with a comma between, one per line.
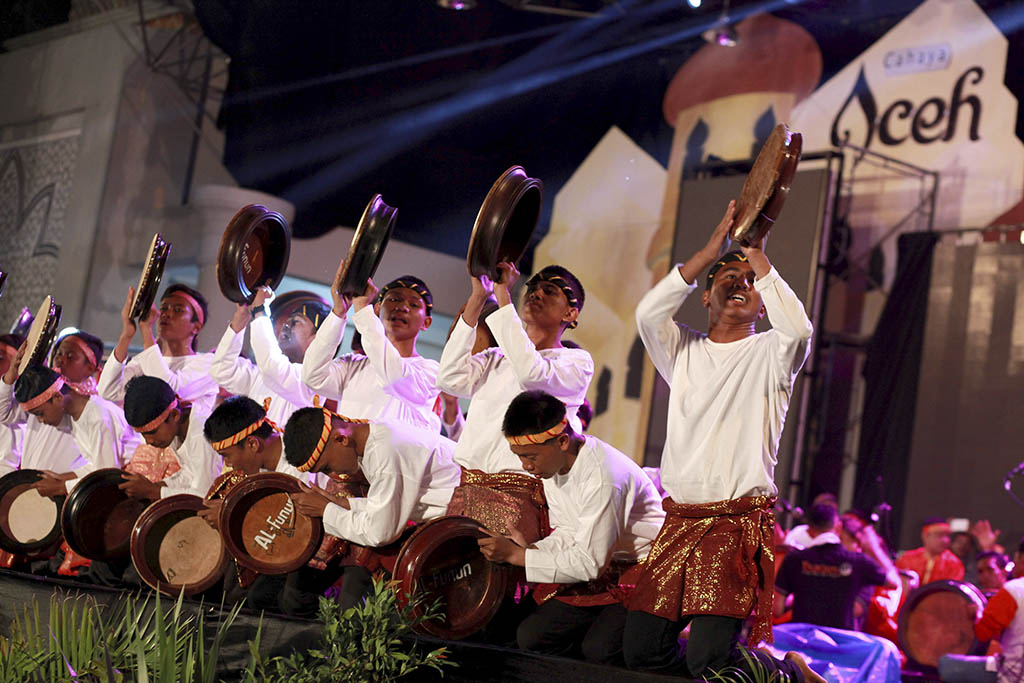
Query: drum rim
x=152, y=274
x=72, y=504
x=229, y=255
x=44, y=545
x=765, y=210
x=45, y=329
x=366, y=250
x=286, y=484
x=491, y=223
x=144, y=525
x=406, y=585
x=3, y=281
x=964, y=588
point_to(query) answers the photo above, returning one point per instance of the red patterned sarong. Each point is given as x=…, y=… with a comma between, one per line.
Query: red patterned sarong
x=714, y=559
x=614, y=585
x=502, y=502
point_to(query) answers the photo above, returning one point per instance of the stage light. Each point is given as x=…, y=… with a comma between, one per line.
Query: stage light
x=457, y=4
x=693, y=3
x=721, y=32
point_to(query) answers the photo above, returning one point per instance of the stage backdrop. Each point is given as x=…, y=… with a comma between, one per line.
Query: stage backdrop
x=969, y=425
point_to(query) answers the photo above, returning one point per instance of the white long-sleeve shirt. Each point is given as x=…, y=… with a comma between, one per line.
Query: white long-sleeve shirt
x=103, y=437
x=272, y=375
x=606, y=505
x=11, y=438
x=43, y=447
x=411, y=475
x=380, y=385
x=728, y=401
x=188, y=376
x=492, y=378
x=200, y=464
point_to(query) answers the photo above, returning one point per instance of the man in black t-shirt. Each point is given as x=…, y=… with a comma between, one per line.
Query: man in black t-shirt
x=825, y=577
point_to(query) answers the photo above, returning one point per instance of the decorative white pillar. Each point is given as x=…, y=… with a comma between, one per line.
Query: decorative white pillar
x=216, y=205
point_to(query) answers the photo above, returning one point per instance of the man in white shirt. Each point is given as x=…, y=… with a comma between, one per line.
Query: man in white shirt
x=279, y=344
x=410, y=472
x=97, y=425
x=11, y=435
x=391, y=381
x=167, y=422
x=604, y=511
x=714, y=559
x=170, y=354
x=525, y=358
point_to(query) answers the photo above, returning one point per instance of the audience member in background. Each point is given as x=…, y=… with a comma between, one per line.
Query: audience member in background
x=963, y=545
x=825, y=578
x=798, y=536
x=991, y=569
x=933, y=561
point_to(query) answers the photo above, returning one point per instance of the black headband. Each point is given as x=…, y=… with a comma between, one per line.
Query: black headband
x=731, y=257
x=410, y=282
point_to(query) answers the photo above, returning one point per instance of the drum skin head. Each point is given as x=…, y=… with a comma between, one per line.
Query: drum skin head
x=254, y=251
x=767, y=186
x=505, y=222
x=174, y=550
x=29, y=523
x=262, y=529
x=442, y=561
x=367, y=247
x=41, y=334
x=149, y=281
x=97, y=517
x=934, y=621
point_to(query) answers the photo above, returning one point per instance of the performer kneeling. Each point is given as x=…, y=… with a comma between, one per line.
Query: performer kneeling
x=714, y=559
x=410, y=472
x=605, y=512
x=496, y=490
x=176, y=428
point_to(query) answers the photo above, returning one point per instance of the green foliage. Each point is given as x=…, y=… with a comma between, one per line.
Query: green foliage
x=753, y=672
x=362, y=643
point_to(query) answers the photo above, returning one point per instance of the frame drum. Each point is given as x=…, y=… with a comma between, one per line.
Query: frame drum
x=174, y=549
x=441, y=560
x=97, y=517
x=767, y=185
x=29, y=522
x=367, y=247
x=254, y=251
x=149, y=281
x=261, y=527
x=935, y=621
x=505, y=223
x=41, y=334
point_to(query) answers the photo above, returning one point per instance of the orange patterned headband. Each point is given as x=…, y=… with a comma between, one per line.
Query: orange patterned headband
x=325, y=435
x=191, y=302
x=546, y=435
x=44, y=396
x=237, y=438
x=83, y=347
x=938, y=526
x=158, y=420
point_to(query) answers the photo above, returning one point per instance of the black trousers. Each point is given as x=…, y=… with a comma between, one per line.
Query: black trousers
x=651, y=643
x=298, y=593
x=593, y=633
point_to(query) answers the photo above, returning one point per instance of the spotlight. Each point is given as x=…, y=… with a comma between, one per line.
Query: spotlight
x=721, y=32
x=457, y=4
x=693, y=3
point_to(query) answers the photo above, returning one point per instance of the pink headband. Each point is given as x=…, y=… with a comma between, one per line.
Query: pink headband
x=192, y=302
x=83, y=347
x=158, y=420
x=43, y=396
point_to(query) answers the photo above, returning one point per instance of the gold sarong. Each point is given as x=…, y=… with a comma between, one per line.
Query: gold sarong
x=712, y=559
x=502, y=502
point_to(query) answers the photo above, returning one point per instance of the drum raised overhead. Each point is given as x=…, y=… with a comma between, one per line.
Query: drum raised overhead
x=97, y=518
x=367, y=247
x=149, y=281
x=442, y=561
x=41, y=334
x=174, y=550
x=253, y=252
x=261, y=527
x=505, y=223
x=936, y=621
x=29, y=522
x=767, y=186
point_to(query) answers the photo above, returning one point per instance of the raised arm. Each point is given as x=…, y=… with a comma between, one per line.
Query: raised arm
x=412, y=381
x=279, y=373
x=192, y=383
x=563, y=376
x=229, y=369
